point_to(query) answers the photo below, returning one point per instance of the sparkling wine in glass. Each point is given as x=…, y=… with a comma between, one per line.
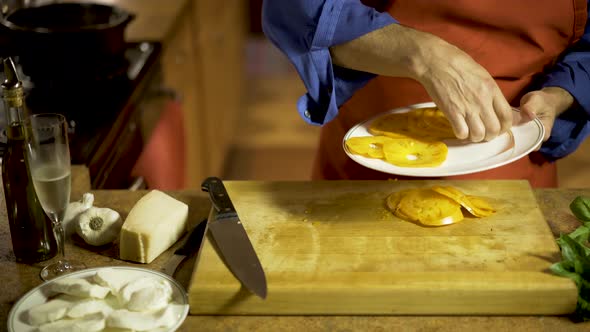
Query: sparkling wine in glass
x=48, y=159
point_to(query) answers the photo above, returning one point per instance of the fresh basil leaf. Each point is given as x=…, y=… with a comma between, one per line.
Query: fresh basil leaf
x=575, y=252
x=580, y=207
x=562, y=269
x=568, y=254
x=580, y=234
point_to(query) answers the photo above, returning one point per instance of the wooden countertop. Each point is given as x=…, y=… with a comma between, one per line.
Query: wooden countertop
x=17, y=279
x=154, y=19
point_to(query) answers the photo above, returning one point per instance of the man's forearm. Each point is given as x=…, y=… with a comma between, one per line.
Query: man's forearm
x=394, y=50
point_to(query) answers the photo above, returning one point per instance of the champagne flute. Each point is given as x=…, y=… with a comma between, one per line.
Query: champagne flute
x=48, y=159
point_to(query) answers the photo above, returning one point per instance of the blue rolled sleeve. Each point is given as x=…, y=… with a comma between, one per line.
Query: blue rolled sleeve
x=571, y=73
x=304, y=30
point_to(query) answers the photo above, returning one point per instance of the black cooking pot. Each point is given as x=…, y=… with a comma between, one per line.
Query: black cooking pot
x=60, y=30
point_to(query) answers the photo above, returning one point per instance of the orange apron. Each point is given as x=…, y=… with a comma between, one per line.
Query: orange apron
x=513, y=40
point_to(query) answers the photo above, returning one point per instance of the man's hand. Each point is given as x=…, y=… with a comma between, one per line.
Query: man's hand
x=546, y=104
x=461, y=88
x=466, y=93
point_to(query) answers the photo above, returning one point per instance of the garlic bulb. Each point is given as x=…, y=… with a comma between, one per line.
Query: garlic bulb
x=74, y=210
x=99, y=226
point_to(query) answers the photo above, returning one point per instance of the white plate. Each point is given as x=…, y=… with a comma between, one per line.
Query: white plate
x=38, y=295
x=463, y=157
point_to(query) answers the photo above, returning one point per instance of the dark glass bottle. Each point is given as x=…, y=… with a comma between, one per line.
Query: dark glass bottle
x=30, y=228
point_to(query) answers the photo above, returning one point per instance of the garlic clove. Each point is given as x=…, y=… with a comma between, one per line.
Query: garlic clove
x=74, y=210
x=99, y=226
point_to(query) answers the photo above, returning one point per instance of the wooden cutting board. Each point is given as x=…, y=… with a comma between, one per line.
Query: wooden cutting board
x=331, y=247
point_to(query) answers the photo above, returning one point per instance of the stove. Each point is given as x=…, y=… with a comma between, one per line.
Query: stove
x=102, y=106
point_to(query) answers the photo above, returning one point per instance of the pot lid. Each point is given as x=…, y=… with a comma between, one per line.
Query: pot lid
x=67, y=17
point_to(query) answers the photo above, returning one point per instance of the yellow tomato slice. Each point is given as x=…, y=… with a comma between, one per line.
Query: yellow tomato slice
x=475, y=205
x=392, y=203
x=394, y=198
x=437, y=123
x=368, y=146
x=422, y=123
x=419, y=135
x=481, y=208
x=410, y=152
x=429, y=208
x=393, y=125
x=417, y=126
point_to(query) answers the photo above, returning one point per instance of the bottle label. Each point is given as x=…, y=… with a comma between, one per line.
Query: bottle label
x=13, y=98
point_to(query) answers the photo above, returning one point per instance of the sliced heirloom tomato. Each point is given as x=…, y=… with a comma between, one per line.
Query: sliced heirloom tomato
x=408, y=152
x=424, y=206
x=392, y=203
x=437, y=123
x=475, y=205
x=422, y=123
x=394, y=125
x=417, y=126
x=368, y=146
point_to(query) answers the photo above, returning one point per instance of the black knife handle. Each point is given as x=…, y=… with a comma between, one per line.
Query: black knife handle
x=218, y=194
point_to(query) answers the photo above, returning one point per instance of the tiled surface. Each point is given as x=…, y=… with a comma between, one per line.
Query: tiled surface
x=273, y=142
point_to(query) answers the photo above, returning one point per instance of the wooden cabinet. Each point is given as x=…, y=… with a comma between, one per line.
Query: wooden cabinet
x=220, y=47
x=180, y=69
x=204, y=62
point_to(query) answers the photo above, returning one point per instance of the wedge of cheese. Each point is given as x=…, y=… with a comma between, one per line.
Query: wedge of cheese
x=153, y=225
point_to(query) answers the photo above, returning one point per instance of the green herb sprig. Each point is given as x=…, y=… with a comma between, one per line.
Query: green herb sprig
x=575, y=255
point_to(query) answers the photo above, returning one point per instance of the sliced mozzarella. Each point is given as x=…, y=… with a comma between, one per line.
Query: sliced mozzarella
x=89, y=307
x=146, y=294
x=91, y=323
x=79, y=287
x=142, y=321
x=51, y=310
x=112, y=279
x=154, y=224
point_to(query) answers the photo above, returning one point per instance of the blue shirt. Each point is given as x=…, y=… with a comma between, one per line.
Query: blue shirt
x=306, y=29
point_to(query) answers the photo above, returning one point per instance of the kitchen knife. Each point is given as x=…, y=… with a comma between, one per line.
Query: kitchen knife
x=190, y=245
x=232, y=240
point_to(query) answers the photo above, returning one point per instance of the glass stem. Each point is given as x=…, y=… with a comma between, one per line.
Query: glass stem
x=60, y=235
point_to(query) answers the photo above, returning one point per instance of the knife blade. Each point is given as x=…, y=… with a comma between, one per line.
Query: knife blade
x=190, y=245
x=232, y=240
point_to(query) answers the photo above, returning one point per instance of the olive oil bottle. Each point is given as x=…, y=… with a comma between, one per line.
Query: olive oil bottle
x=30, y=228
